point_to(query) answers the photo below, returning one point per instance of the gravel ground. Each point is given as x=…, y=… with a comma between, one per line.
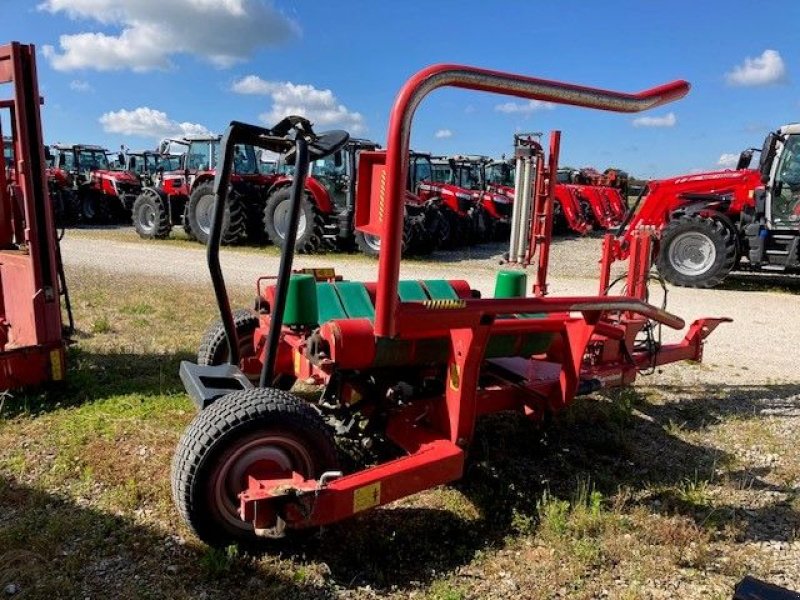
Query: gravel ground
x=754, y=348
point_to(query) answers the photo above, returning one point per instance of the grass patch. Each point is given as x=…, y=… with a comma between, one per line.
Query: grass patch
x=615, y=496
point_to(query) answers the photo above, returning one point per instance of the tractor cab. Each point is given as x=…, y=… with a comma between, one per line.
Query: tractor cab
x=337, y=172
x=780, y=171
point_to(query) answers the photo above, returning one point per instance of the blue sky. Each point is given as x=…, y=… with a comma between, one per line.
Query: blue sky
x=129, y=71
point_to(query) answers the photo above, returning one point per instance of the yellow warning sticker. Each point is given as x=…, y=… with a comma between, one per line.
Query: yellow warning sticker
x=56, y=368
x=367, y=497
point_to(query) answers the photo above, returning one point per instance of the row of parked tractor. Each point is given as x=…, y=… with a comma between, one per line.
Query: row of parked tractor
x=451, y=201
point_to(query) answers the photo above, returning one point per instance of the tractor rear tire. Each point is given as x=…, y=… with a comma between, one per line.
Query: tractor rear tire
x=200, y=209
x=214, y=346
x=696, y=252
x=310, y=228
x=371, y=244
x=150, y=215
x=255, y=430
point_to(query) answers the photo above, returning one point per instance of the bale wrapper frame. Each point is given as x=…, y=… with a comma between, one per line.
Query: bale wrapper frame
x=406, y=366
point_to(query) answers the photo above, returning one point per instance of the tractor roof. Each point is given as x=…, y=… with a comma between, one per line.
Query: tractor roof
x=360, y=142
x=790, y=128
x=470, y=158
x=208, y=137
x=79, y=147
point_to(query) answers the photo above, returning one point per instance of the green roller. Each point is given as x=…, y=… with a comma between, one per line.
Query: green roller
x=510, y=284
x=301, y=301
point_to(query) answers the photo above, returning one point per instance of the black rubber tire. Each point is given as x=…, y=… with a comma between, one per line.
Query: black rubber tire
x=187, y=227
x=560, y=226
x=717, y=232
x=312, y=237
x=150, y=215
x=213, y=348
x=231, y=423
x=371, y=249
x=588, y=214
x=94, y=208
x=234, y=225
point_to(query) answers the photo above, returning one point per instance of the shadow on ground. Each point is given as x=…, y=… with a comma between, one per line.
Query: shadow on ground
x=96, y=376
x=743, y=281
x=53, y=548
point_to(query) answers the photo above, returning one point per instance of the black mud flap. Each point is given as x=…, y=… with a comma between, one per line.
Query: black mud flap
x=750, y=588
x=205, y=384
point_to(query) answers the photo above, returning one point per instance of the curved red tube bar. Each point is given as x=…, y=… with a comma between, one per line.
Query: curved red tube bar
x=444, y=75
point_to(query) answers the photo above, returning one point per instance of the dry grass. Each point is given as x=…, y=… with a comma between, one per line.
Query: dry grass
x=653, y=492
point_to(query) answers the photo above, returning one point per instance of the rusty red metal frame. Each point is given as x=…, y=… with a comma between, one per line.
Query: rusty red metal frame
x=31, y=337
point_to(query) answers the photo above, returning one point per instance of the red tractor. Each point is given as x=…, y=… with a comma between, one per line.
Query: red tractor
x=711, y=223
x=406, y=367
x=181, y=192
x=457, y=199
x=32, y=336
x=85, y=182
x=500, y=180
x=602, y=206
x=326, y=217
x=327, y=211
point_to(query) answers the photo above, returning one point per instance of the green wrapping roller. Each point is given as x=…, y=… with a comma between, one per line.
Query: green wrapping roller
x=510, y=284
x=301, y=301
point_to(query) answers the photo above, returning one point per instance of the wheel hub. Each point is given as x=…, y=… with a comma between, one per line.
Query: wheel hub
x=205, y=210
x=282, y=214
x=692, y=253
x=266, y=457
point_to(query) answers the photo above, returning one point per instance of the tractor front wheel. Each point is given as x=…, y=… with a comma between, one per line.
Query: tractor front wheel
x=261, y=432
x=151, y=215
x=696, y=252
x=94, y=208
x=371, y=244
x=200, y=210
x=310, y=226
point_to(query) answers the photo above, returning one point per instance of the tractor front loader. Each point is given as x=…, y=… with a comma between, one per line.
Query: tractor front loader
x=32, y=336
x=406, y=366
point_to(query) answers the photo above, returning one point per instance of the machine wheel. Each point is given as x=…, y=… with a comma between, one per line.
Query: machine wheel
x=214, y=347
x=94, y=208
x=696, y=252
x=200, y=210
x=588, y=214
x=151, y=215
x=263, y=430
x=187, y=226
x=371, y=244
x=310, y=227
x=560, y=226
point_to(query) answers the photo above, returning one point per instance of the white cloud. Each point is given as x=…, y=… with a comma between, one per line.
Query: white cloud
x=766, y=69
x=728, y=160
x=524, y=108
x=223, y=32
x=443, y=133
x=147, y=122
x=76, y=85
x=321, y=107
x=668, y=120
